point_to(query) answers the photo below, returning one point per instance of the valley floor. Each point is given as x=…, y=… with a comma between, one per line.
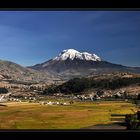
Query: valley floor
x=16, y=115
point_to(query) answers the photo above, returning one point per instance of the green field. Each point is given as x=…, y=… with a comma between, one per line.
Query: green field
x=75, y=116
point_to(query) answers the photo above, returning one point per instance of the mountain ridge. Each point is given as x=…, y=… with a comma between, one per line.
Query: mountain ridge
x=75, y=64
x=17, y=72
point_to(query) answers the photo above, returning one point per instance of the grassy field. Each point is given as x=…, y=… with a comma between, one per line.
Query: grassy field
x=79, y=115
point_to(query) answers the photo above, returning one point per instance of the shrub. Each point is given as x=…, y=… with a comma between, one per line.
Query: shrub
x=131, y=121
x=3, y=90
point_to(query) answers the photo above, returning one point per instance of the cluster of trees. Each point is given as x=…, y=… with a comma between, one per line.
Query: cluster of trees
x=51, y=89
x=132, y=121
x=78, y=85
x=3, y=90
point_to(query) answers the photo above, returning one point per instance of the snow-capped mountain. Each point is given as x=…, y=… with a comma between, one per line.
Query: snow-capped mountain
x=72, y=63
x=68, y=64
x=74, y=54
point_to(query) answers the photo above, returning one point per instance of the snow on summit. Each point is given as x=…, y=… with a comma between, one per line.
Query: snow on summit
x=74, y=54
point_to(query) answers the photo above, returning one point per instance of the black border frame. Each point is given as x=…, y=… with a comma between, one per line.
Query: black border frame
x=70, y=6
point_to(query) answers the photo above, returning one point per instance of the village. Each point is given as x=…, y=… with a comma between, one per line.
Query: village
x=34, y=94
x=18, y=91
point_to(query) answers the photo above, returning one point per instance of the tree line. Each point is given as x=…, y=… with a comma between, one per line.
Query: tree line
x=78, y=85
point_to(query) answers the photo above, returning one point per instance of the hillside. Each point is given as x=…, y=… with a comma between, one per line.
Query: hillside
x=12, y=71
x=103, y=82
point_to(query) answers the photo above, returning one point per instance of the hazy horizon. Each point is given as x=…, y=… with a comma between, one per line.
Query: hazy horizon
x=32, y=37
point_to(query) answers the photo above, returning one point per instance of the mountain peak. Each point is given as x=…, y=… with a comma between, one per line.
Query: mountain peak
x=74, y=54
x=70, y=51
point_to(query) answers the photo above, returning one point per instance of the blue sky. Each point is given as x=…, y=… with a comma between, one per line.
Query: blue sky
x=31, y=37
